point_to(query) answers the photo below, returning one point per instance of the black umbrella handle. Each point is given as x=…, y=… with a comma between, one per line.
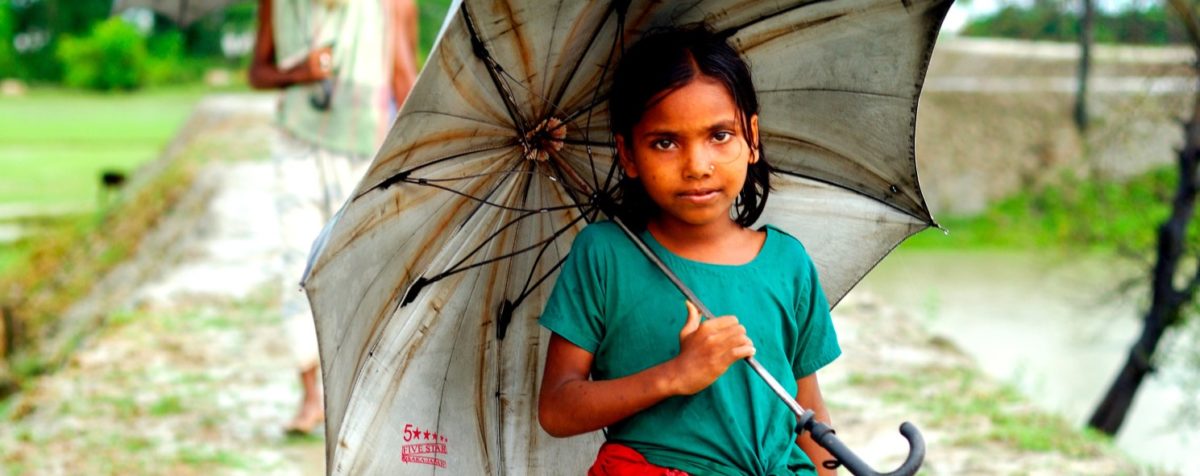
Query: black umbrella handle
x=825, y=436
x=322, y=98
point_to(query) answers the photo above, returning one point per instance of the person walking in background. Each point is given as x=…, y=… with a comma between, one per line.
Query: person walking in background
x=344, y=68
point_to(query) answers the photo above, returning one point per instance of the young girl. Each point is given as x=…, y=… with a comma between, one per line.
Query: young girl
x=667, y=386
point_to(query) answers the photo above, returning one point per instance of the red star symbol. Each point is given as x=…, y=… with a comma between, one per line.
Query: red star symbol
x=426, y=434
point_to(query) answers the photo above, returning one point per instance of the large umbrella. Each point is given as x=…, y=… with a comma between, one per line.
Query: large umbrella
x=428, y=283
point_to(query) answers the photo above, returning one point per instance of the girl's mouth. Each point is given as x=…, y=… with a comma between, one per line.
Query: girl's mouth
x=699, y=196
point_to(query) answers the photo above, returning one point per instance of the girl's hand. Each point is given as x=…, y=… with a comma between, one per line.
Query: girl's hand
x=707, y=349
x=320, y=63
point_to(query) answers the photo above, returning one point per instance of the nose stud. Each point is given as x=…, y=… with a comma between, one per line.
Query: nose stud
x=711, y=167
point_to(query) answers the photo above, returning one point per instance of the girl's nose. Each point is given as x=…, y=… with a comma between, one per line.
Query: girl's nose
x=699, y=164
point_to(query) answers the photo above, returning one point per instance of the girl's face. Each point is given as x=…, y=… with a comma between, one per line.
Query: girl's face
x=690, y=153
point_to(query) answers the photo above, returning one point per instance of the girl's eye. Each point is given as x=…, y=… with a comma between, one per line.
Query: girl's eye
x=722, y=136
x=661, y=144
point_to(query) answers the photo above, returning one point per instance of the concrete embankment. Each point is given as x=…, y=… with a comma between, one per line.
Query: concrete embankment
x=996, y=117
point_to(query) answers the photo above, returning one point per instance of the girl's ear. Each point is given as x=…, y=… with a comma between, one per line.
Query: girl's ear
x=754, y=143
x=624, y=156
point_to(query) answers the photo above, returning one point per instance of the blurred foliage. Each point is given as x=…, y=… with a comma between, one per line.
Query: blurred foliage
x=54, y=144
x=8, y=54
x=112, y=56
x=1081, y=213
x=1058, y=20
x=37, y=27
x=432, y=13
x=33, y=33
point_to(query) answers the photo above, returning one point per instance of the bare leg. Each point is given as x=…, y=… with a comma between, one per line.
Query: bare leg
x=312, y=408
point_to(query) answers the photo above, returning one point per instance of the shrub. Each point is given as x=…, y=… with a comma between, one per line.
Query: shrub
x=8, y=54
x=112, y=56
x=166, y=64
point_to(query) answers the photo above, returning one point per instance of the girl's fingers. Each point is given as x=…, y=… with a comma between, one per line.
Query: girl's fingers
x=693, y=320
x=744, y=351
x=721, y=323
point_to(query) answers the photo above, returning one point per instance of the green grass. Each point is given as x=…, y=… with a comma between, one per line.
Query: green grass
x=54, y=143
x=431, y=15
x=206, y=457
x=167, y=405
x=1077, y=213
x=961, y=397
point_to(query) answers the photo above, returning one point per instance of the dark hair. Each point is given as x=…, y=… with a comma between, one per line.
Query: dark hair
x=663, y=61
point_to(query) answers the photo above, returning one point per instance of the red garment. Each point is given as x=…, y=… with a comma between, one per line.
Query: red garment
x=616, y=459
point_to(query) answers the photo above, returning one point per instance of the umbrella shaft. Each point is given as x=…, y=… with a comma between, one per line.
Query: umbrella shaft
x=770, y=380
x=788, y=400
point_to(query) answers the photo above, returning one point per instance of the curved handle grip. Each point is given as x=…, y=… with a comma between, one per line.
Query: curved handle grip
x=321, y=100
x=824, y=436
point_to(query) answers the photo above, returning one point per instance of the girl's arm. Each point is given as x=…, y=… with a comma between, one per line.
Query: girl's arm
x=570, y=403
x=404, y=48
x=263, y=72
x=808, y=395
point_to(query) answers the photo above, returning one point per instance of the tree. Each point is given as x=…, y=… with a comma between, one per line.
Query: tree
x=1172, y=288
x=1054, y=20
x=40, y=24
x=8, y=55
x=1085, y=65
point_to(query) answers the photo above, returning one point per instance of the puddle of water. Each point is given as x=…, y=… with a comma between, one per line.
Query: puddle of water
x=1055, y=327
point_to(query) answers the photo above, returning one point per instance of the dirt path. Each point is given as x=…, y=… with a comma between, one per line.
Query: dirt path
x=189, y=374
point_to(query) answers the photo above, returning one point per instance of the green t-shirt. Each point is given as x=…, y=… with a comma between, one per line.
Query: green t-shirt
x=611, y=301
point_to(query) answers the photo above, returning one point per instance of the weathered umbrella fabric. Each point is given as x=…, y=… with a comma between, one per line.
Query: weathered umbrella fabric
x=183, y=12
x=428, y=283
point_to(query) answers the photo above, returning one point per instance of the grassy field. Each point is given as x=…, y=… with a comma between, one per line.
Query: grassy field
x=1080, y=214
x=55, y=143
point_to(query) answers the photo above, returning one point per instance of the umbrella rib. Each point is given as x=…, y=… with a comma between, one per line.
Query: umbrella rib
x=618, y=39
x=835, y=90
x=549, y=51
x=733, y=30
x=529, y=90
x=453, y=269
x=504, y=256
x=514, y=167
x=403, y=176
x=495, y=233
x=526, y=289
x=596, y=101
x=562, y=90
x=571, y=189
x=493, y=69
x=485, y=201
x=584, y=142
x=475, y=176
x=456, y=116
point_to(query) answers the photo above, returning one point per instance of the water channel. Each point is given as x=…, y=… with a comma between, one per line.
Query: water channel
x=1056, y=327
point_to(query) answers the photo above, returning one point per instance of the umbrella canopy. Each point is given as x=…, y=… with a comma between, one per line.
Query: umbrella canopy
x=428, y=283
x=183, y=12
